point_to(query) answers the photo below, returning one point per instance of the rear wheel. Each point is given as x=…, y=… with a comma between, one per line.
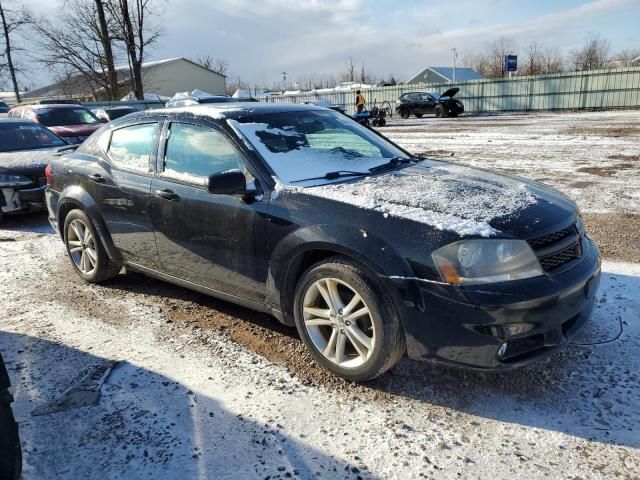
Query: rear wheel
x=345, y=321
x=440, y=113
x=10, y=450
x=404, y=112
x=85, y=250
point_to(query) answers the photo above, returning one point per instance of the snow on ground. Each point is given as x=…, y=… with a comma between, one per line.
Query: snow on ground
x=594, y=157
x=188, y=402
x=191, y=399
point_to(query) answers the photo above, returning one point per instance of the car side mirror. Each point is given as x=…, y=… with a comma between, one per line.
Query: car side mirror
x=232, y=182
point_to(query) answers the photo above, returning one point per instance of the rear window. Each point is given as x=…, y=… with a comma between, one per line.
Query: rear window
x=16, y=136
x=56, y=117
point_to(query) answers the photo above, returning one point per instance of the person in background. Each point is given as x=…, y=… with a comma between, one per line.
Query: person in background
x=360, y=101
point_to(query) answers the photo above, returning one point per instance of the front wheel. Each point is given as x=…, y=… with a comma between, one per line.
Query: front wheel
x=404, y=113
x=345, y=321
x=85, y=250
x=440, y=113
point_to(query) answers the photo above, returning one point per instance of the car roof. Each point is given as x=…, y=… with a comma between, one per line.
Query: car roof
x=51, y=105
x=236, y=110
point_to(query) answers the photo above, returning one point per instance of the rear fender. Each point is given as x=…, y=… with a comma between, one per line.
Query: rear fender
x=76, y=197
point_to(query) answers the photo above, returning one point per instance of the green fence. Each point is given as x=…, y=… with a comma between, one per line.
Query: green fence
x=595, y=89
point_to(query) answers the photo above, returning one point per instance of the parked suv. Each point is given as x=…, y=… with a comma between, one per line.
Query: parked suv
x=4, y=108
x=10, y=450
x=424, y=103
x=74, y=123
x=301, y=212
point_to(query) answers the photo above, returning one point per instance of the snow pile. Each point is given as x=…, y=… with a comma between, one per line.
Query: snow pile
x=453, y=198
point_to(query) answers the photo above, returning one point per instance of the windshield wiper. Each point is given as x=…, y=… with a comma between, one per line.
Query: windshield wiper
x=334, y=175
x=394, y=162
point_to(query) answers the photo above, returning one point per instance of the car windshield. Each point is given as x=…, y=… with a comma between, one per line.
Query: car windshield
x=56, y=117
x=16, y=136
x=306, y=144
x=435, y=95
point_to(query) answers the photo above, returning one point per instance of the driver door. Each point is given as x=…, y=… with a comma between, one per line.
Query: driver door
x=214, y=240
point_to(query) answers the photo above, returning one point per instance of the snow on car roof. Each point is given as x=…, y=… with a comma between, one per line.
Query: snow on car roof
x=239, y=109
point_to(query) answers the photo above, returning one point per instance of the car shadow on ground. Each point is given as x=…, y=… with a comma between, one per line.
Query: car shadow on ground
x=35, y=222
x=144, y=425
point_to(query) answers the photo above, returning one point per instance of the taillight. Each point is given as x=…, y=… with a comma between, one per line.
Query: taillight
x=47, y=173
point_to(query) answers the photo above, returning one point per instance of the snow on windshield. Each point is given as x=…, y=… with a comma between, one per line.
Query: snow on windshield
x=452, y=198
x=318, y=143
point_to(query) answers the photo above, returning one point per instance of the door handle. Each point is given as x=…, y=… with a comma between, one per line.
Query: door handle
x=166, y=194
x=97, y=178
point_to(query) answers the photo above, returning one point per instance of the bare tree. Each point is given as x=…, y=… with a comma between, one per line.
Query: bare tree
x=490, y=63
x=350, y=74
x=593, y=55
x=11, y=21
x=137, y=32
x=533, y=59
x=73, y=48
x=627, y=58
x=218, y=65
x=551, y=60
x=105, y=39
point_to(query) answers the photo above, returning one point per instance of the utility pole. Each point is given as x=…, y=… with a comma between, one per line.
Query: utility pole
x=455, y=55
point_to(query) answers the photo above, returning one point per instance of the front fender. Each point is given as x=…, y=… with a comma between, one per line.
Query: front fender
x=287, y=260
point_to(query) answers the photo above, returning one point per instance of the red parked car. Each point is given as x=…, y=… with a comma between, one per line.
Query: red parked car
x=74, y=123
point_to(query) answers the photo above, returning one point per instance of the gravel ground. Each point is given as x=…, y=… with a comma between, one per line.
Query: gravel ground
x=206, y=389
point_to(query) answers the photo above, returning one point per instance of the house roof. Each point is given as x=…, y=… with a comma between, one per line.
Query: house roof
x=463, y=74
x=78, y=85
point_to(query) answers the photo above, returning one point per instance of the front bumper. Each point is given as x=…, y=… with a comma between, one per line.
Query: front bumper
x=19, y=199
x=530, y=319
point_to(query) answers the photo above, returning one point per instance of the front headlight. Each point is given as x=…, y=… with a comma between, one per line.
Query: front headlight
x=471, y=262
x=14, y=180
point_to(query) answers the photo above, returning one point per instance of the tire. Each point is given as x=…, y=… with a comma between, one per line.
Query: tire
x=404, y=113
x=418, y=115
x=10, y=449
x=86, y=253
x=364, y=337
x=375, y=122
x=440, y=113
x=382, y=122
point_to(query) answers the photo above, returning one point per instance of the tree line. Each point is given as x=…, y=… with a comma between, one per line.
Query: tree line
x=83, y=42
x=535, y=58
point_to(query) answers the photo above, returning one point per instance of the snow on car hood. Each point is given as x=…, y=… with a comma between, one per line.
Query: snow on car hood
x=26, y=162
x=447, y=197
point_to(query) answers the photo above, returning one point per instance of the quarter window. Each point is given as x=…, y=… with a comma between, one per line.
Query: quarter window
x=193, y=153
x=132, y=147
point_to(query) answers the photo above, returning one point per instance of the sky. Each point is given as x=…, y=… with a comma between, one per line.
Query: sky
x=262, y=38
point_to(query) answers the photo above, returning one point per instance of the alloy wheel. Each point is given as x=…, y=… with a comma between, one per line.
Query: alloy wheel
x=339, y=322
x=82, y=247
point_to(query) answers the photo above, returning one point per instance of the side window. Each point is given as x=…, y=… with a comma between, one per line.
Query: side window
x=193, y=153
x=132, y=147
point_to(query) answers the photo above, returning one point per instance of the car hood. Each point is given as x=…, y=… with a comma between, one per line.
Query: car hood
x=462, y=200
x=27, y=162
x=450, y=93
x=75, y=130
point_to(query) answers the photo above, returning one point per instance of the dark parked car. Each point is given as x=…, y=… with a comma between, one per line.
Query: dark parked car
x=4, y=108
x=57, y=101
x=424, y=103
x=25, y=151
x=10, y=450
x=301, y=212
x=197, y=98
x=74, y=123
x=112, y=113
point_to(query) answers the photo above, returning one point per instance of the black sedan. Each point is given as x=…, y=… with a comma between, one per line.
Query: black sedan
x=10, y=450
x=424, y=103
x=25, y=151
x=301, y=212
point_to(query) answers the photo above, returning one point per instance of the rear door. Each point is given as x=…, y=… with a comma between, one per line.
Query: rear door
x=217, y=241
x=427, y=103
x=119, y=181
